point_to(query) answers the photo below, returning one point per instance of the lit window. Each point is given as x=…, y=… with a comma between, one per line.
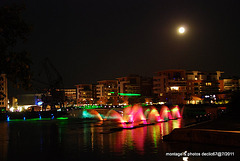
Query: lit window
x=208, y=84
x=174, y=88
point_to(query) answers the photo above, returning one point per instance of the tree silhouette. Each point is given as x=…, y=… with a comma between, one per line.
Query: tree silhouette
x=13, y=29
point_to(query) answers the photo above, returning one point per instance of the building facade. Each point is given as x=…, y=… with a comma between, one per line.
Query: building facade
x=170, y=86
x=181, y=86
x=3, y=93
x=107, y=92
x=84, y=94
x=231, y=84
x=70, y=95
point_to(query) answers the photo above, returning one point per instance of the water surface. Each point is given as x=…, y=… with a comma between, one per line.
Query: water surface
x=69, y=140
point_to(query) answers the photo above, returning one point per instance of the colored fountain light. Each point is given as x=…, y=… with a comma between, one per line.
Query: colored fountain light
x=154, y=116
x=165, y=113
x=8, y=118
x=114, y=115
x=137, y=114
x=93, y=114
x=134, y=116
x=175, y=112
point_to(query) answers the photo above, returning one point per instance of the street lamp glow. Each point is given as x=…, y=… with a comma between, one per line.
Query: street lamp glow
x=181, y=30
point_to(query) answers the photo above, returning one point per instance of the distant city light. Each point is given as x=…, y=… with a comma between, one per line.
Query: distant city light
x=39, y=103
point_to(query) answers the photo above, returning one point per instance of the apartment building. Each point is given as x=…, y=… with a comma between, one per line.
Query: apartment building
x=231, y=84
x=181, y=86
x=129, y=84
x=3, y=93
x=70, y=95
x=84, y=94
x=202, y=83
x=107, y=92
x=170, y=86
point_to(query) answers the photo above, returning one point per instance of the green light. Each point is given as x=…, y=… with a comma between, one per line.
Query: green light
x=33, y=119
x=129, y=94
x=112, y=92
x=62, y=118
x=90, y=107
x=174, y=109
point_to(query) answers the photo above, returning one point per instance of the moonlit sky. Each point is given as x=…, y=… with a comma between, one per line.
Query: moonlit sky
x=91, y=40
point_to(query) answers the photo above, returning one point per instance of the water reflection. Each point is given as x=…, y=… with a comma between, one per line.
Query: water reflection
x=3, y=141
x=74, y=139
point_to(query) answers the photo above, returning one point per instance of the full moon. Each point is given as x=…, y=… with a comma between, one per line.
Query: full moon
x=181, y=30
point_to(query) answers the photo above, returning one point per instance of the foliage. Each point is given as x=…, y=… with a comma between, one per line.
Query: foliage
x=13, y=29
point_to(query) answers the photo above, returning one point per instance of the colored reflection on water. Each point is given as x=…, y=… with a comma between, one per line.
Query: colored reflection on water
x=72, y=139
x=65, y=140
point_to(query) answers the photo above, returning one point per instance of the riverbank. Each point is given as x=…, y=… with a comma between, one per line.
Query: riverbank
x=224, y=130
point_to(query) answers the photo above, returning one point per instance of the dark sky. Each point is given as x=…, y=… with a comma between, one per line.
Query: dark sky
x=91, y=40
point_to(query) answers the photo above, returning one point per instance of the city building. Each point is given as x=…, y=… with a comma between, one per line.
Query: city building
x=70, y=95
x=30, y=102
x=107, y=92
x=84, y=94
x=170, y=86
x=129, y=84
x=3, y=93
x=181, y=86
x=203, y=86
x=231, y=84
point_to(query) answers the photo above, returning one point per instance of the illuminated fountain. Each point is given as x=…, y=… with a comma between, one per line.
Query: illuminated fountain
x=114, y=116
x=175, y=112
x=165, y=113
x=127, y=114
x=93, y=114
x=135, y=116
x=154, y=116
x=132, y=116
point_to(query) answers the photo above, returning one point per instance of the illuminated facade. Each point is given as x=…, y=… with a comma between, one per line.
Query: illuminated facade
x=181, y=86
x=107, y=92
x=84, y=94
x=170, y=86
x=4, y=93
x=200, y=83
x=129, y=84
x=231, y=84
x=70, y=96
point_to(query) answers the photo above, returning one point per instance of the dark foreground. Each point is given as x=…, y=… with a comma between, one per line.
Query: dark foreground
x=70, y=140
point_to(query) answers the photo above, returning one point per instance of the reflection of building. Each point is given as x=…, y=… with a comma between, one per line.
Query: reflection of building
x=3, y=92
x=107, y=91
x=84, y=94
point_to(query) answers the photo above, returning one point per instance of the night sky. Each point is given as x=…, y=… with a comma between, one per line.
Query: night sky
x=94, y=40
